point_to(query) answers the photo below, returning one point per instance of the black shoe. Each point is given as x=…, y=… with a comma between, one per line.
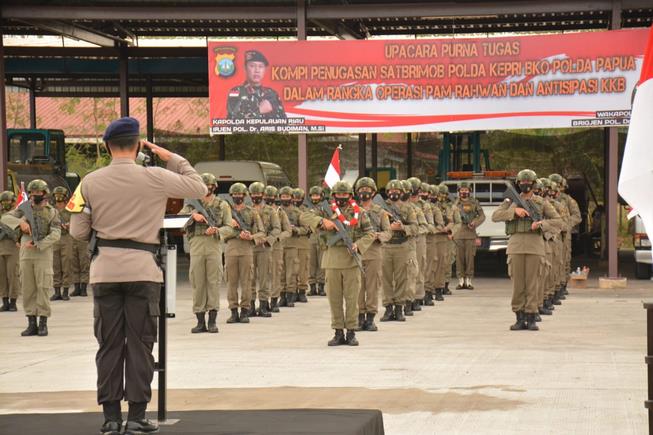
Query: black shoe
x=252, y=309
x=389, y=314
x=537, y=317
x=283, y=301
x=369, y=323
x=244, y=318
x=264, y=309
x=408, y=309
x=313, y=290
x=32, y=328
x=12, y=305
x=111, y=428
x=140, y=427
x=561, y=294
x=556, y=298
x=564, y=290
x=338, y=339
x=428, y=298
x=520, y=323
x=416, y=306
x=545, y=311
x=5, y=304
x=201, y=324
x=438, y=294
x=57, y=294
x=82, y=289
x=213, y=320
x=361, y=322
x=446, y=291
x=531, y=323
x=77, y=291
x=234, y=316
x=301, y=297
x=351, y=338
x=291, y=297
x=43, y=326
x=548, y=303
x=320, y=289
x=399, y=313
x=64, y=295
x=275, y=305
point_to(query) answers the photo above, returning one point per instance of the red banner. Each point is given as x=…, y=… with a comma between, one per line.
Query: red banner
x=546, y=81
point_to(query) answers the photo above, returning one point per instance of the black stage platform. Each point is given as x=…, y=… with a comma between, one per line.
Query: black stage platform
x=269, y=422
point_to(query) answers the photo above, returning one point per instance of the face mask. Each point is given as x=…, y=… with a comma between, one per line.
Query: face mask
x=238, y=200
x=433, y=199
x=537, y=192
x=6, y=205
x=424, y=197
x=525, y=188
x=297, y=202
x=315, y=201
x=393, y=197
x=269, y=201
x=464, y=195
x=277, y=202
x=365, y=196
x=342, y=202
x=38, y=199
x=405, y=196
x=257, y=199
x=285, y=202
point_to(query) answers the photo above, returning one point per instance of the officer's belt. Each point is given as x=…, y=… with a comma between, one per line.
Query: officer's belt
x=127, y=244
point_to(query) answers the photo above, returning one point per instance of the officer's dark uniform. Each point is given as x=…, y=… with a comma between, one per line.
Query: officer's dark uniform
x=124, y=204
x=244, y=100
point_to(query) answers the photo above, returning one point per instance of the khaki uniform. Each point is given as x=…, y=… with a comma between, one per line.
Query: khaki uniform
x=205, y=273
x=304, y=254
x=426, y=227
x=239, y=257
x=278, y=252
x=62, y=254
x=441, y=243
x=574, y=219
x=9, y=282
x=343, y=277
x=471, y=213
x=371, y=281
x=81, y=262
x=546, y=283
x=526, y=251
x=399, y=257
x=316, y=273
x=453, y=248
x=560, y=249
x=36, y=263
x=290, y=278
x=126, y=282
x=262, y=261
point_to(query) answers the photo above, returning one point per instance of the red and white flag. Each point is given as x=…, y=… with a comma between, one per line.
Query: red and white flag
x=333, y=173
x=22, y=195
x=636, y=176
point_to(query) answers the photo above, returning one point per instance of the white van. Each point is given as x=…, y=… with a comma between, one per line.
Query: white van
x=642, y=244
x=489, y=192
x=229, y=172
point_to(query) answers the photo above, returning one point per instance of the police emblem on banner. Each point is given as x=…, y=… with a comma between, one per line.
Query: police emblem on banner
x=224, y=61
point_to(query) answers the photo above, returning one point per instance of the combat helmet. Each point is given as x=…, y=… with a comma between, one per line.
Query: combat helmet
x=415, y=184
x=464, y=185
x=315, y=190
x=443, y=189
x=366, y=182
x=209, y=179
x=546, y=183
x=38, y=185
x=60, y=193
x=341, y=187
x=526, y=175
x=237, y=188
x=393, y=184
x=7, y=195
x=285, y=190
x=271, y=191
x=406, y=186
x=298, y=193
x=256, y=187
x=557, y=178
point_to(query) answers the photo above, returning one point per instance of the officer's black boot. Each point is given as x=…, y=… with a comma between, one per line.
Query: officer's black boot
x=5, y=304
x=446, y=289
x=351, y=338
x=234, y=316
x=64, y=294
x=369, y=323
x=137, y=424
x=82, y=289
x=57, y=294
x=302, y=296
x=428, y=298
x=213, y=320
x=112, y=418
x=561, y=293
x=201, y=324
x=338, y=339
x=252, y=308
x=283, y=301
x=12, y=304
x=537, y=317
x=416, y=306
x=275, y=305
x=77, y=291
x=43, y=326
x=531, y=323
x=549, y=303
x=520, y=323
x=313, y=290
x=543, y=310
x=399, y=313
x=32, y=329
x=264, y=309
x=564, y=290
x=244, y=318
x=556, y=300
x=291, y=297
x=389, y=314
x=408, y=309
x=320, y=289
x=438, y=294
x=361, y=322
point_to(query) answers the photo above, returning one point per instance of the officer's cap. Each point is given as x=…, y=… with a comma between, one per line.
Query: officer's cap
x=255, y=56
x=123, y=127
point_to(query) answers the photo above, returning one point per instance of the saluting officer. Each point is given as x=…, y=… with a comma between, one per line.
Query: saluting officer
x=205, y=257
x=124, y=204
x=9, y=283
x=316, y=273
x=63, y=250
x=472, y=216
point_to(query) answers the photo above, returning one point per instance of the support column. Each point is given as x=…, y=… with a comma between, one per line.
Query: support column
x=32, y=104
x=362, y=154
x=149, y=111
x=409, y=154
x=302, y=148
x=4, y=146
x=375, y=158
x=612, y=136
x=123, y=71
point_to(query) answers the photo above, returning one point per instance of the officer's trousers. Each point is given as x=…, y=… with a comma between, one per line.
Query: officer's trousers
x=562, y=261
x=276, y=269
x=36, y=281
x=9, y=283
x=451, y=258
x=420, y=252
x=125, y=324
x=431, y=262
x=239, y=274
x=442, y=262
x=261, y=273
x=465, y=253
x=290, y=268
x=525, y=270
x=80, y=262
x=304, y=256
x=368, y=296
x=567, y=246
x=62, y=261
x=316, y=273
x=204, y=273
x=343, y=285
x=396, y=261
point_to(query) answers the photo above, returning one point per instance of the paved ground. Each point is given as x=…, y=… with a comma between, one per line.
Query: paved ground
x=454, y=368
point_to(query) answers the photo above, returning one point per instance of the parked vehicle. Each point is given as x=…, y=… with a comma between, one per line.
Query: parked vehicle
x=229, y=172
x=642, y=244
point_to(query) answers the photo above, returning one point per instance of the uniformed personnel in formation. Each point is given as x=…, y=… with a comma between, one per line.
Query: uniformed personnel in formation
x=252, y=99
x=316, y=273
x=124, y=275
x=472, y=216
x=271, y=197
x=80, y=265
x=303, y=248
x=63, y=250
x=9, y=282
x=290, y=278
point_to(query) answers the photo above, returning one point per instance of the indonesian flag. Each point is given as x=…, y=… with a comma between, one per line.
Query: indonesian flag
x=636, y=178
x=333, y=173
x=22, y=195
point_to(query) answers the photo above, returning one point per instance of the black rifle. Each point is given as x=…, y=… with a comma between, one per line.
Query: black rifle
x=341, y=234
x=236, y=215
x=512, y=194
x=208, y=215
x=28, y=214
x=395, y=216
x=6, y=232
